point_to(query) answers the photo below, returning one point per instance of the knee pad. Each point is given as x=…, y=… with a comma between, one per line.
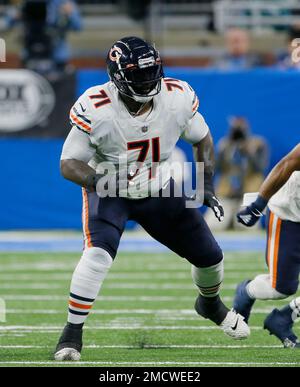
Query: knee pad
x=90, y=272
x=96, y=259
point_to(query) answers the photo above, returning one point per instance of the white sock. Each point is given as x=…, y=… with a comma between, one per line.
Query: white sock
x=295, y=306
x=208, y=279
x=86, y=282
x=261, y=288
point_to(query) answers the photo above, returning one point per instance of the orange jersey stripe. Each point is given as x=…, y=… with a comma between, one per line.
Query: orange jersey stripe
x=276, y=251
x=86, y=230
x=81, y=123
x=81, y=306
x=171, y=86
x=196, y=105
x=270, y=237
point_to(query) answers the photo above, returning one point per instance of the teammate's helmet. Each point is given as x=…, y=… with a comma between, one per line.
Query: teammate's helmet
x=135, y=67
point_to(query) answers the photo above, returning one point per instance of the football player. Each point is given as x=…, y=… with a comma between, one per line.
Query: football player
x=138, y=116
x=281, y=192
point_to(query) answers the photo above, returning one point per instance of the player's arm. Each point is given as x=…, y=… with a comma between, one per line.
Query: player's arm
x=280, y=174
x=198, y=134
x=204, y=152
x=272, y=184
x=78, y=148
x=77, y=152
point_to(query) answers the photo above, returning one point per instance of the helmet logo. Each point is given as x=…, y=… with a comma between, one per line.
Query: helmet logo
x=146, y=62
x=115, y=53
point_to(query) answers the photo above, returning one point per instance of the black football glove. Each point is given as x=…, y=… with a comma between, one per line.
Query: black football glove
x=251, y=214
x=210, y=199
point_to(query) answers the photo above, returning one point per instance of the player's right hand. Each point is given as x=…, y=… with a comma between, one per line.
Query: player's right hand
x=251, y=214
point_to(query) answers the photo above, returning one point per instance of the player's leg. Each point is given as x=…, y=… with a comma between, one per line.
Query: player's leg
x=103, y=227
x=283, y=259
x=263, y=286
x=186, y=233
x=284, y=275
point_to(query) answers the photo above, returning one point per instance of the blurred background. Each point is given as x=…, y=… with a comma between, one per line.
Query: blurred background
x=242, y=58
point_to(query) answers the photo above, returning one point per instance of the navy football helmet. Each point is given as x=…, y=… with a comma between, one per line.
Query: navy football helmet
x=135, y=67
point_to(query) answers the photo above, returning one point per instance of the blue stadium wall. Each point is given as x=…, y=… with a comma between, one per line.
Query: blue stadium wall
x=34, y=196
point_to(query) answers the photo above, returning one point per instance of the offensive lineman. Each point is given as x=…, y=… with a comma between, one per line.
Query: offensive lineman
x=139, y=115
x=281, y=192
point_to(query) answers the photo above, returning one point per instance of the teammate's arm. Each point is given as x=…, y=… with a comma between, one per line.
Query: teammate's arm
x=280, y=174
x=272, y=184
x=77, y=152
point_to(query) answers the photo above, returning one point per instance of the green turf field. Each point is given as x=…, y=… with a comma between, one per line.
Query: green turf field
x=144, y=316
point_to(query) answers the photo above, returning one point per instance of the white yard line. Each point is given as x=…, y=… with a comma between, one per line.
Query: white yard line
x=166, y=313
x=151, y=286
x=200, y=346
x=174, y=312
x=32, y=297
x=54, y=298
x=66, y=266
x=164, y=274
x=128, y=363
x=29, y=297
x=121, y=326
x=37, y=286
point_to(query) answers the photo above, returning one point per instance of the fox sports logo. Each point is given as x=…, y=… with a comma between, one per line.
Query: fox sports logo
x=26, y=100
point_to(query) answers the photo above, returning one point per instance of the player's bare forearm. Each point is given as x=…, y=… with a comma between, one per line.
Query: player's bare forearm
x=78, y=172
x=204, y=152
x=281, y=173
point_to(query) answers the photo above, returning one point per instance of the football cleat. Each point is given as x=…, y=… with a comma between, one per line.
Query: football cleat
x=67, y=354
x=69, y=345
x=280, y=325
x=235, y=326
x=242, y=303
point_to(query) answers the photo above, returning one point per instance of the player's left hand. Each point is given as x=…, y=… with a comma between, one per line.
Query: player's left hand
x=211, y=201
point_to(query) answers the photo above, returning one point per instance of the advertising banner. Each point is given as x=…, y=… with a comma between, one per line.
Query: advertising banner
x=32, y=106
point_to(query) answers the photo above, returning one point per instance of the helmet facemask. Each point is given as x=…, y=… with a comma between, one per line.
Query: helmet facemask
x=142, y=82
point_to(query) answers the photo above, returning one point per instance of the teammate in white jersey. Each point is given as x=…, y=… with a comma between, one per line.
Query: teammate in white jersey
x=281, y=192
x=132, y=124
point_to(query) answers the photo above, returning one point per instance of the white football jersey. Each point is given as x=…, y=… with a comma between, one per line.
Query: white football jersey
x=117, y=136
x=286, y=202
